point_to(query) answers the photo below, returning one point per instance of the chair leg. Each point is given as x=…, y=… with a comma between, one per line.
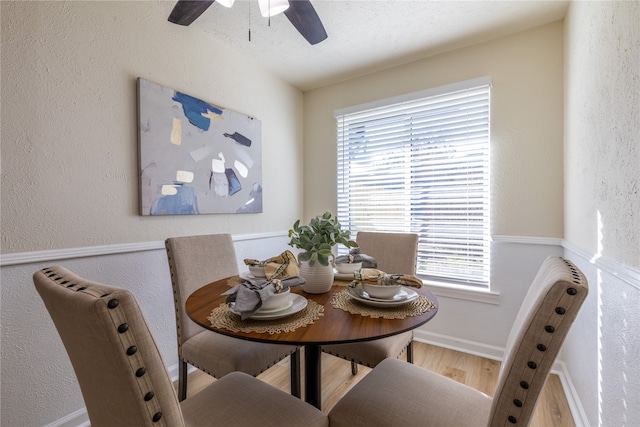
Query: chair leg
x=354, y=368
x=296, y=389
x=410, y=352
x=182, y=379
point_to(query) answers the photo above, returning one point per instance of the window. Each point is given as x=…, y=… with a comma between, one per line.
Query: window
x=420, y=163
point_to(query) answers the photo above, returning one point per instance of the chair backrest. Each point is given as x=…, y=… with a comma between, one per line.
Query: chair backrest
x=395, y=252
x=544, y=319
x=123, y=379
x=195, y=261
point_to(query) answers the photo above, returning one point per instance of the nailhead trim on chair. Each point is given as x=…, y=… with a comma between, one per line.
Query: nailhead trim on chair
x=131, y=351
x=541, y=347
x=126, y=337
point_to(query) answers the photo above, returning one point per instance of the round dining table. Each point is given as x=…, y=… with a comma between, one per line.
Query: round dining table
x=334, y=326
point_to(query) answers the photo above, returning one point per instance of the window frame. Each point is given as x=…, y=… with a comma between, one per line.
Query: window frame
x=444, y=90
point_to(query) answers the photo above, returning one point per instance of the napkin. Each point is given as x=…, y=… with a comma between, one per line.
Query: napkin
x=279, y=266
x=355, y=256
x=249, y=295
x=375, y=276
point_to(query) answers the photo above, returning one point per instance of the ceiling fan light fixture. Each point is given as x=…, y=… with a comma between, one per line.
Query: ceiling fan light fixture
x=226, y=3
x=270, y=8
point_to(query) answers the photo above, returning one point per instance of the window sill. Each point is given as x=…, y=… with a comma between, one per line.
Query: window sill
x=463, y=292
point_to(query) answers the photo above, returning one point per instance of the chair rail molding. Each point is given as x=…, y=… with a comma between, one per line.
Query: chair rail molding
x=123, y=248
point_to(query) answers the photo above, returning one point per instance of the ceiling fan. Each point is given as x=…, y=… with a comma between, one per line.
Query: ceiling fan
x=300, y=12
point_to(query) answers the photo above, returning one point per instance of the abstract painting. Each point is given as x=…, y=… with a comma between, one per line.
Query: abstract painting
x=196, y=157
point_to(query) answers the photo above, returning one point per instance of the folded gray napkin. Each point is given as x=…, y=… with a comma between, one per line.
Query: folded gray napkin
x=366, y=260
x=249, y=295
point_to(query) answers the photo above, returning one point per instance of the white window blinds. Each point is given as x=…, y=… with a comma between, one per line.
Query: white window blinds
x=420, y=164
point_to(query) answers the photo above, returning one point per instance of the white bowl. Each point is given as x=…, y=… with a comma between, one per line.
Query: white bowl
x=277, y=300
x=346, y=268
x=257, y=271
x=379, y=291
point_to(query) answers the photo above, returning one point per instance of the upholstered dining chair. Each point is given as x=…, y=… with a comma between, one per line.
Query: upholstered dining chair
x=195, y=261
x=122, y=376
x=395, y=253
x=398, y=393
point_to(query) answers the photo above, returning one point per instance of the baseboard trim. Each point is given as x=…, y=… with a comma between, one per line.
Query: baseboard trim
x=575, y=405
x=458, y=344
x=79, y=418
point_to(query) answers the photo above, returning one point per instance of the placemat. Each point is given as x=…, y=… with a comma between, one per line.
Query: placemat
x=337, y=282
x=419, y=306
x=222, y=317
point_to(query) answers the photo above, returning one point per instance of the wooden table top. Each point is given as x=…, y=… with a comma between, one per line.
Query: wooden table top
x=334, y=327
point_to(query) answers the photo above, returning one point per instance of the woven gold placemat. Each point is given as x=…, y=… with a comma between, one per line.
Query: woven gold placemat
x=418, y=306
x=222, y=317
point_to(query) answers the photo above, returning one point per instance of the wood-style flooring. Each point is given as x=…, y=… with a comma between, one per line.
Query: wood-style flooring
x=477, y=372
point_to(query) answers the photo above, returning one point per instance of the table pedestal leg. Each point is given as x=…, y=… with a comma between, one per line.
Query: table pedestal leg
x=312, y=375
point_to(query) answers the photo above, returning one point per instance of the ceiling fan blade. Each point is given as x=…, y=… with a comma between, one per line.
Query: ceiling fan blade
x=187, y=11
x=304, y=17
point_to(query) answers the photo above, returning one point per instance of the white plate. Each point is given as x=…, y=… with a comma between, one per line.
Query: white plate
x=401, y=295
x=298, y=303
x=275, y=310
x=359, y=294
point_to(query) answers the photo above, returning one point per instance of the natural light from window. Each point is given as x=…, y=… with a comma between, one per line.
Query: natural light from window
x=420, y=163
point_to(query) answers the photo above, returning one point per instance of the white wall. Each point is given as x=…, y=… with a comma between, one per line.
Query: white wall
x=70, y=132
x=602, y=205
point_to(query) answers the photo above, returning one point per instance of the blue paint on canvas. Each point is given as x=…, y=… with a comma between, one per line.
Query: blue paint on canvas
x=184, y=202
x=234, y=183
x=194, y=109
x=239, y=138
x=254, y=204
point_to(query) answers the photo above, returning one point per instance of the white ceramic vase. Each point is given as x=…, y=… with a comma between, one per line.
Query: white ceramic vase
x=317, y=277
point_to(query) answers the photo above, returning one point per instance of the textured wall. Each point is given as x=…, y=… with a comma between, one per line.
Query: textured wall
x=602, y=204
x=526, y=124
x=69, y=126
x=603, y=129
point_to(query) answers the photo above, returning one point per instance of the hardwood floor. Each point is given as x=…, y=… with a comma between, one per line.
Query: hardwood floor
x=477, y=372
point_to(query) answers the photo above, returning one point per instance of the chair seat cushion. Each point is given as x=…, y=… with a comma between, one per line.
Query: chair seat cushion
x=239, y=400
x=370, y=353
x=397, y=393
x=225, y=354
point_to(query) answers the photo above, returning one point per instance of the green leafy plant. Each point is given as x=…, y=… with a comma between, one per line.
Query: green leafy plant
x=317, y=238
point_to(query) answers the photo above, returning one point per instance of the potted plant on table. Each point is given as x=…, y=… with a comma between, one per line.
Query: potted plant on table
x=316, y=240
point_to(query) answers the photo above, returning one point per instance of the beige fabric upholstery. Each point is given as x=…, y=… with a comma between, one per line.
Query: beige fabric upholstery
x=370, y=353
x=395, y=253
x=123, y=379
x=195, y=261
x=397, y=393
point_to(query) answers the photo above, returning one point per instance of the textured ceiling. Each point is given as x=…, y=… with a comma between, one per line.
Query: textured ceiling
x=366, y=35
